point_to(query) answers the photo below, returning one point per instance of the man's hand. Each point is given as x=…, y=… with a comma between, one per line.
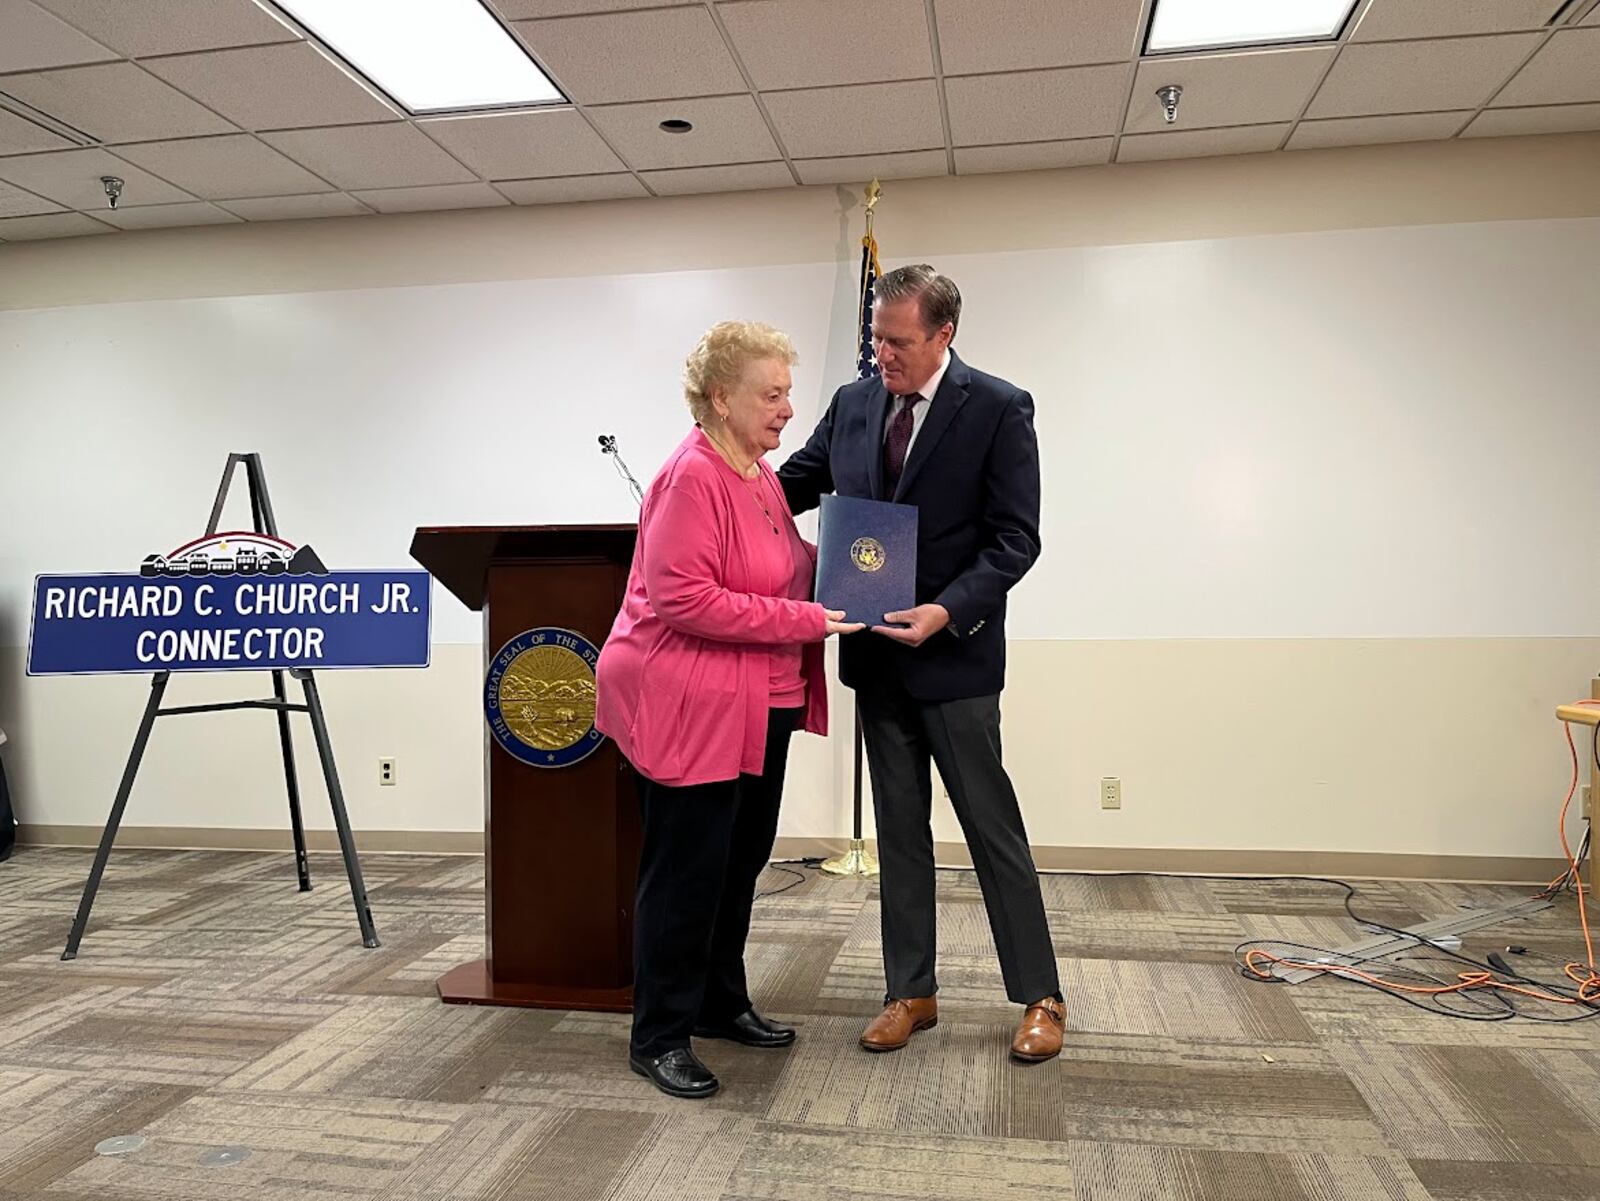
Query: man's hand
x=923, y=623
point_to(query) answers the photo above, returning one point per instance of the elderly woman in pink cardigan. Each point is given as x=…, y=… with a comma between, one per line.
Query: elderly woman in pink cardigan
x=714, y=661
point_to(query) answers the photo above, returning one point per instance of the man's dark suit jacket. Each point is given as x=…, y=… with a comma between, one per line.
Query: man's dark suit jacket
x=973, y=473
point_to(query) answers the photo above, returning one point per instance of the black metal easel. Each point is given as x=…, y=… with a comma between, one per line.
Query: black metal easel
x=263, y=522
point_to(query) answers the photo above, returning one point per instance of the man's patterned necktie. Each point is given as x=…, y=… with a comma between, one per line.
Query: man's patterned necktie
x=897, y=443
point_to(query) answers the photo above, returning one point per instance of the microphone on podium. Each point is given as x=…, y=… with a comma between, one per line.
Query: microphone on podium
x=608, y=446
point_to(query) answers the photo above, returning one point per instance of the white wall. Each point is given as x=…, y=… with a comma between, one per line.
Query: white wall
x=1366, y=448
x=1357, y=433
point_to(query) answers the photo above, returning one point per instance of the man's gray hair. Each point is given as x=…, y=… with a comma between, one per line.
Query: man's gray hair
x=938, y=298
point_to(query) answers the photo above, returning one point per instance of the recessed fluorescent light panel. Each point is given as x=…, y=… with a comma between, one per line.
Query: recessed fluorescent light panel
x=1214, y=24
x=433, y=56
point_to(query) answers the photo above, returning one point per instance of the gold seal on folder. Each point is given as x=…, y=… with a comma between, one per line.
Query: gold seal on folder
x=868, y=554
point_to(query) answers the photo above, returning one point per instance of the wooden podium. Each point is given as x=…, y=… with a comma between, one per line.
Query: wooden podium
x=561, y=844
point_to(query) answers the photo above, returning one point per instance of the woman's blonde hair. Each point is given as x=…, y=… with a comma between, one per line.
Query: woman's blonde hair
x=722, y=354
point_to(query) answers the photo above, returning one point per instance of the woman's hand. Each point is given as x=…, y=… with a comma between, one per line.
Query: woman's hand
x=838, y=625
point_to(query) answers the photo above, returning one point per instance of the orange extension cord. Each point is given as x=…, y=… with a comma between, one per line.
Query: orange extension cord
x=1583, y=975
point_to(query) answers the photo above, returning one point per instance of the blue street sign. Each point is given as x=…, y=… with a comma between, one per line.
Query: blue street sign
x=131, y=623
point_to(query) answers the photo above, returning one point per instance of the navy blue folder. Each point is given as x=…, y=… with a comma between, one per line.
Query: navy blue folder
x=866, y=557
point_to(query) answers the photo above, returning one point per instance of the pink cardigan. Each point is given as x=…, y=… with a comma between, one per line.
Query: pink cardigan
x=683, y=681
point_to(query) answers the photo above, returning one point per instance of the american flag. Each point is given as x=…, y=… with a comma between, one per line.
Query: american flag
x=866, y=359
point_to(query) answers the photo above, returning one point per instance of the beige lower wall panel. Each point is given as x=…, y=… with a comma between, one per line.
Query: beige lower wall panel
x=1410, y=747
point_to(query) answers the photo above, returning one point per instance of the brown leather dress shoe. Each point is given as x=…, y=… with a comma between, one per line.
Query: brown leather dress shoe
x=1039, y=1036
x=900, y=1019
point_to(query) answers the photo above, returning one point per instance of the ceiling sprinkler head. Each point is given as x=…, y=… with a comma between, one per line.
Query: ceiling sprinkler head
x=113, y=187
x=1169, y=97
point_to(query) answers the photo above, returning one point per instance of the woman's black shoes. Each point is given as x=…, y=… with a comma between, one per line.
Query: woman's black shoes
x=751, y=1029
x=677, y=1073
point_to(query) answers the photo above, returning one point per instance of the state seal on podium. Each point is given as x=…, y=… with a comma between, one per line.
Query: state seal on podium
x=539, y=697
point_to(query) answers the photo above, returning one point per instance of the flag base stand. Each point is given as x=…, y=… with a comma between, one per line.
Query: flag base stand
x=857, y=861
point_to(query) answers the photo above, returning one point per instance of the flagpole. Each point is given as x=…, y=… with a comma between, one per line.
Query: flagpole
x=858, y=861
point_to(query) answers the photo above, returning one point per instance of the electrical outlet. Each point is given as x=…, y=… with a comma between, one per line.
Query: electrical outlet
x=1110, y=792
x=1588, y=802
x=385, y=771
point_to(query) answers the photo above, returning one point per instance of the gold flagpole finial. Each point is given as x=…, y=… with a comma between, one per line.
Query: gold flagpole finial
x=873, y=193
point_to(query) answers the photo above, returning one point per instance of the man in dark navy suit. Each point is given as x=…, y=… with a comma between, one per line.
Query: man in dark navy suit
x=958, y=444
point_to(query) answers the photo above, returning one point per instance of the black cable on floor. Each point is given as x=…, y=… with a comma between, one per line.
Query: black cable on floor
x=799, y=877
x=1507, y=1005
x=1492, y=1006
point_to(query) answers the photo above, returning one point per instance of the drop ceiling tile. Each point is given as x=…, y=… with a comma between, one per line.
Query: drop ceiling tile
x=1565, y=71
x=55, y=225
x=394, y=155
x=524, y=145
x=571, y=188
x=225, y=168
x=294, y=208
x=19, y=137
x=34, y=40
x=1015, y=35
x=1033, y=156
x=1199, y=143
x=917, y=164
x=654, y=55
x=1417, y=77
x=1036, y=106
x=516, y=9
x=1593, y=18
x=14, y=202
x=143, y=27
x=166, y=216
x=822, y=43
x=1503, y=122
x=727, y=129
x=273, y=87
x=1249, y=88
x=115, y=102
x=873, y=118
x=1364, y=131
x=72, y=178
x=1389, y=20
x=744, y=177
x=429, y=199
